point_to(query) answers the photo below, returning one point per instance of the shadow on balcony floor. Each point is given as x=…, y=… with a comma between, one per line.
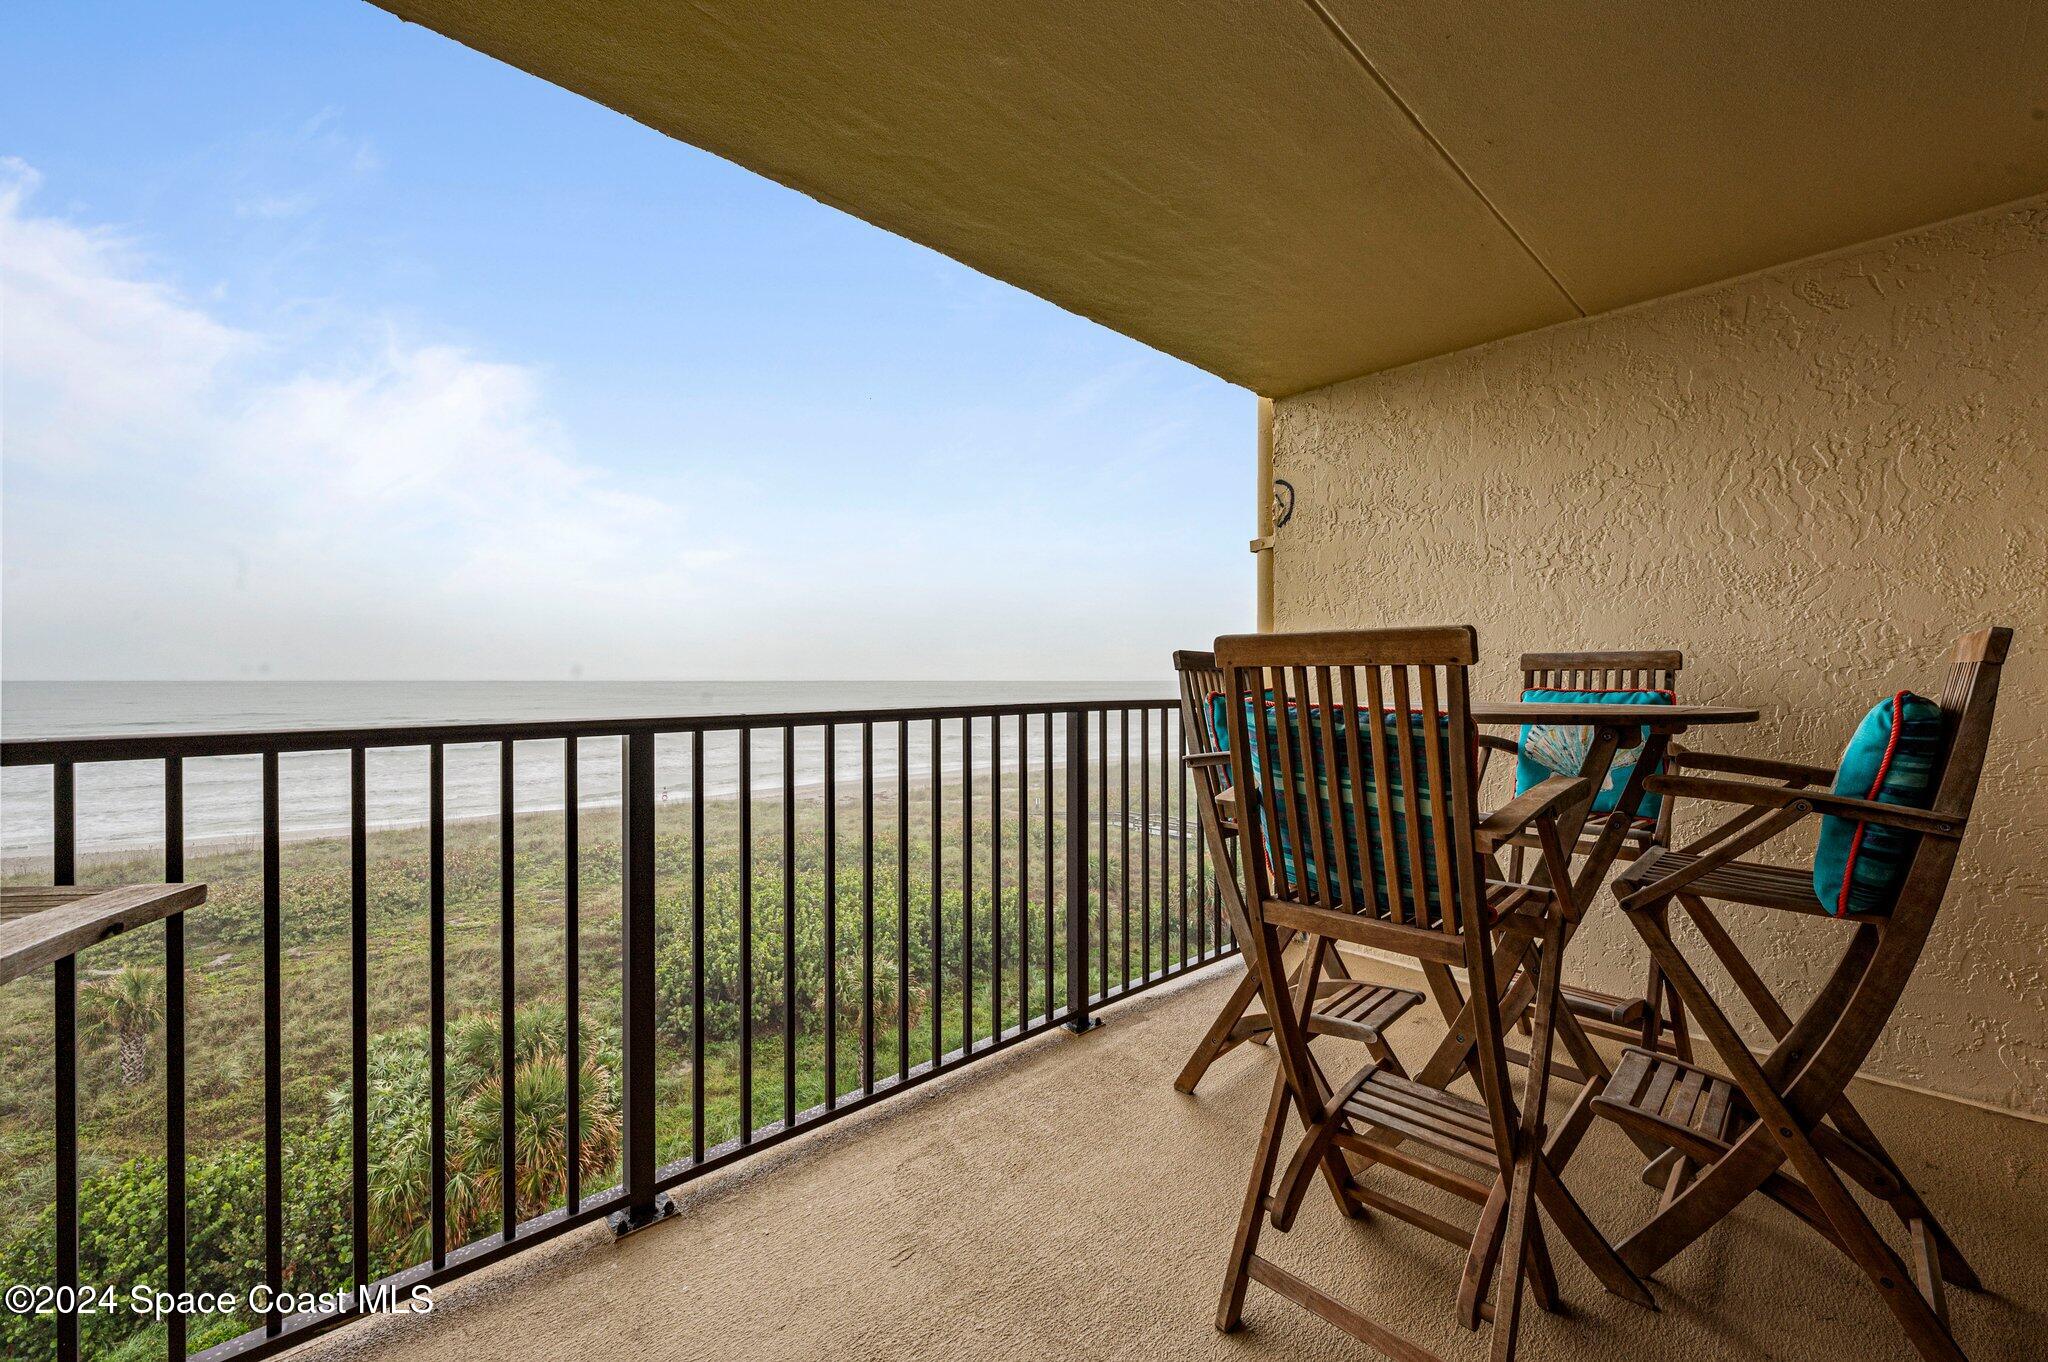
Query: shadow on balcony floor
x=1062, y=1201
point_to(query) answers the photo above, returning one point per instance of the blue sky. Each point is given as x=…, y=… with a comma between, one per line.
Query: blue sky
x=334, y=349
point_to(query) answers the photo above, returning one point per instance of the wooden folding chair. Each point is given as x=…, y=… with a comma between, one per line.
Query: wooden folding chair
x=1344, y=1007
x=1656, y=1018
x=1743, y=1127
x=1354, y=756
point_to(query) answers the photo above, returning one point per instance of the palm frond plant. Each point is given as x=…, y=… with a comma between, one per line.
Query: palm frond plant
x=130, y=1003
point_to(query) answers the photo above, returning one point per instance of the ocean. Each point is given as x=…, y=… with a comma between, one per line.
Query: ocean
x=120, y=804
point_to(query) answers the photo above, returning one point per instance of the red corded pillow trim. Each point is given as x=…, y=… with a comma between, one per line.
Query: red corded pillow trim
x=1891, y=747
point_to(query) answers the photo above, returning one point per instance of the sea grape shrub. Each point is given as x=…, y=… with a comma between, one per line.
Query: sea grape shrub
x=122, y=1241
x=122, y=1230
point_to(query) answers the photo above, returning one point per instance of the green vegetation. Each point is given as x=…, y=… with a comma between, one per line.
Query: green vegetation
x=121, y=1074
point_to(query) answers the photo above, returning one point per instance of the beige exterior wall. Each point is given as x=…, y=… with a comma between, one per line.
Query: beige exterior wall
x=1811, y=481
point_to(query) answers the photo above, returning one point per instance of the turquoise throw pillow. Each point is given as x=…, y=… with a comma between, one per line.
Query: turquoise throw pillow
x=1893, y=757
x=1548, y=750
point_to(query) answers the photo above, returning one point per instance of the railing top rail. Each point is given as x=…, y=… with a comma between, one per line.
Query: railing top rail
x=253, y=742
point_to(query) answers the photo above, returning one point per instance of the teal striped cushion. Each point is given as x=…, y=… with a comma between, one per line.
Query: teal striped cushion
x=1368, y=852
x=1894, y=758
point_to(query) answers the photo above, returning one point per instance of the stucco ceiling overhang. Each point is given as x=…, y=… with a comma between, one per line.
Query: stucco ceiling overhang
x=1292, y=192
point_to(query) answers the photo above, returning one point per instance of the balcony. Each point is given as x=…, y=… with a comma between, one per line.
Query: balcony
x=1040, y=1190
x=1065, y=1201
x=765, y=1035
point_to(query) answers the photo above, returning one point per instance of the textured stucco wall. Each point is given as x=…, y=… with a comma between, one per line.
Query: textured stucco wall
x=1810, y=481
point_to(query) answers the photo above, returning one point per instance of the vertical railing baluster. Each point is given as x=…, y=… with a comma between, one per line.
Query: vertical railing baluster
x=1123, y=832
x=966, y=886
x=508, y=1153
x=273, y=1050
x=1078, y=1015
x=64, y=975
x=1102, y=849
x=697, y=945
x=1202, y=889
x=902, y=899
x=933, y=1004
x=437, y=1000
x=867, y=908
x=1180, y=827
x=746, y=936
x=1144, y=844
x=359, y=1016
x=831, y=916
x=1050, y=825
x=788, y=926
x=175, y=1214
x=1023, y=872
x=64, y=1018
x=572, y=979
x=644, y=1205
x=1225, y=928
x=1166, y=848
x=995, y=876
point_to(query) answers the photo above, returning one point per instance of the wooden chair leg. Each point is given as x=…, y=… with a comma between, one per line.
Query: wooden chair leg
x=1681, y=1037
x=1514, y=1255
x=1222, y=1036
x=1314, y=1151
x=1917, y=1317
x=1889, y=1183
x=1679, y=1174
x=1906, y=1201
x=1251, y=1219
x=1586, y=1239
x=1337, y=1173
x=1230, y=1029
x=1482, y=1255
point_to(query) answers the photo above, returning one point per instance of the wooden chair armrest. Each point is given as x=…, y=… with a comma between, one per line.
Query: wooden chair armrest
x=1198, y=759
x=1490, y=743
x=1817, y=801
x=1764, y=768
x=1545, y=800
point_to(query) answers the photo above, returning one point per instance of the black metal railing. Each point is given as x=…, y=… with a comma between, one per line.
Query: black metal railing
x=1019, y=912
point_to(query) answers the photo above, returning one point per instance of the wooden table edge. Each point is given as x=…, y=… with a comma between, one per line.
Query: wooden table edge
x=50, y=933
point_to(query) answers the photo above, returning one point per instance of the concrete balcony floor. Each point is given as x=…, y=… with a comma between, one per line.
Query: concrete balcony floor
x=1063, y=1201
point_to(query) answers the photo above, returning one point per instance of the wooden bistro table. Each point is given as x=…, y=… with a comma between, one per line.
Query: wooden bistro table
x=1615, y=728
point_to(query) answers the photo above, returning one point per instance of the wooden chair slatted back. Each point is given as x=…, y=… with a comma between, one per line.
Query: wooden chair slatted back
x=1608, y=669
x=1200, y=678
x=1633, y=669
x=1968, y=699
x=1354, y=757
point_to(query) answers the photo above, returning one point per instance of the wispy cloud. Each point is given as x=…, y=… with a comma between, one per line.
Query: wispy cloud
x=101, y=360
x=384, y=478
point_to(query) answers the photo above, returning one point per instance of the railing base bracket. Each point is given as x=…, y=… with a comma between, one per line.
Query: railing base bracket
x=1082, y=1025
x=634, y=1219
